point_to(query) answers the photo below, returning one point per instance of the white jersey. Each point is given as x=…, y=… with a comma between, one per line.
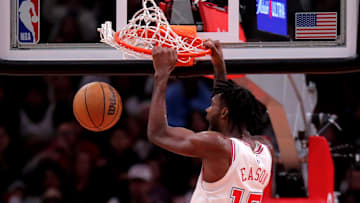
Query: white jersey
x=245, y=180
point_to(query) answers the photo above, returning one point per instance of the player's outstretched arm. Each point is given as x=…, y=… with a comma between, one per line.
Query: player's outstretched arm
x=178, y=140
x=217, y=59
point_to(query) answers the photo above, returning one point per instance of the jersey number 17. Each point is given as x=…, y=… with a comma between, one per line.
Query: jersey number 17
x=237, y=195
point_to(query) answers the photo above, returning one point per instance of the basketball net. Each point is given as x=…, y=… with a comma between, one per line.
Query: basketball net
x=148, y=28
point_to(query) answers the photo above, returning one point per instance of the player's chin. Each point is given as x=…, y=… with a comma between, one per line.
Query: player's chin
x=207, y=118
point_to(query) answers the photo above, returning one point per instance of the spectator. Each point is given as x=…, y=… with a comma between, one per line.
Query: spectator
x=118, y=157
x=121, y=155
x=10, y=161
x=61, y=88
x=70, y=21
x=158, y=192
x=52, y=196
x=60, y=150
x=48, y=175
x=140, y=180
x=83, y=188
x=36, y=116
x=136, y=130
x=15, y=193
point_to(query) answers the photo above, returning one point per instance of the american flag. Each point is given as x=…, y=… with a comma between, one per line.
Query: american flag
x=316, y=25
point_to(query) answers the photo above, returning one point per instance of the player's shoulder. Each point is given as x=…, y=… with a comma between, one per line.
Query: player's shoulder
x=212, y=137
x=214, y=143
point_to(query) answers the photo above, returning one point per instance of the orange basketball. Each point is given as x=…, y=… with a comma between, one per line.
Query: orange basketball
x=97, y=106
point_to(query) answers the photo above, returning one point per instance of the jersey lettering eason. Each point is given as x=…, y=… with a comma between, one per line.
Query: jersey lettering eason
x=245, y=180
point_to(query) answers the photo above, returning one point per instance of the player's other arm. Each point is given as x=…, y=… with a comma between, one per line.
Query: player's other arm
x=217, y=59
x=177, y=140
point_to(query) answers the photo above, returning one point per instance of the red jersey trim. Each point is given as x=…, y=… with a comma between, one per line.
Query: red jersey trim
x=259, y=150
x=232, y=152
x=233, y=146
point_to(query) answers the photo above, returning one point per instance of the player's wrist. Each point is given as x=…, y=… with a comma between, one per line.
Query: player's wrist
x=161, y=75
x=220, y=69
x=218, y=64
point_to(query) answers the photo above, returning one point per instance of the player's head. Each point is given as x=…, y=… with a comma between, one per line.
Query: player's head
x=237, y=107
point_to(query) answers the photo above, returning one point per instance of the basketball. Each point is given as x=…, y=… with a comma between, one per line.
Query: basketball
x=97, y=106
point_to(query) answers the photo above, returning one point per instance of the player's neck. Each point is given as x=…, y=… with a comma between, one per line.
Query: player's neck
x=241, y=134
x=246, y=136
x=235, y=132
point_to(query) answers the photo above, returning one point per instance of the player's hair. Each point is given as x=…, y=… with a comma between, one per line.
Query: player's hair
x=245, y=112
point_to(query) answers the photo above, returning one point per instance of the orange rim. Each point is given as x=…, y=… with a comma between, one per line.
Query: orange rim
x=149, y=52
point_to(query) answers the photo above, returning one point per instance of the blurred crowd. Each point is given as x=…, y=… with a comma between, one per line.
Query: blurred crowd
x=74, y=21
x=46, y=156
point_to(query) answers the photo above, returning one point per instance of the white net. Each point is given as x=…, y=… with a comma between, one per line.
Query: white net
x=148, y=28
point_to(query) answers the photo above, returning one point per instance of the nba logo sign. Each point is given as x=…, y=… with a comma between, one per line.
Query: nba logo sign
x=28, y=17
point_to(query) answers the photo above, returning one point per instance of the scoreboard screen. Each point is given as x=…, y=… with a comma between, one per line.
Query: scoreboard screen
x=272, y=16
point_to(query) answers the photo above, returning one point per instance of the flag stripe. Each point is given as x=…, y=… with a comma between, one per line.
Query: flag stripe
x=320, y=29
x=333, y=13
x=319, y=33
x=328, y=21
x=315, y=37
x=330, y=17
x=333, y=25
x=331, y=36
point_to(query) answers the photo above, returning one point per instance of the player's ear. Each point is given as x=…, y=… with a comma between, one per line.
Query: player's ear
x=224, y=112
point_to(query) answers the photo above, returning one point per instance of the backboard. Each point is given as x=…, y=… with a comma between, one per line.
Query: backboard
x=257, y=36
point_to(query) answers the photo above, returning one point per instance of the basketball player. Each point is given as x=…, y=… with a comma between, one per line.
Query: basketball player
x=25, y=16
x=236, y=166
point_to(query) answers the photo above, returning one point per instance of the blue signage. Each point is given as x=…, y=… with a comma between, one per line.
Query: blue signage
x=272, y=16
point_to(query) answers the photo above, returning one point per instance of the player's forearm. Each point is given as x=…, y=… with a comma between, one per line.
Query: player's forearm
x=157, y=123
x=219, y=72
